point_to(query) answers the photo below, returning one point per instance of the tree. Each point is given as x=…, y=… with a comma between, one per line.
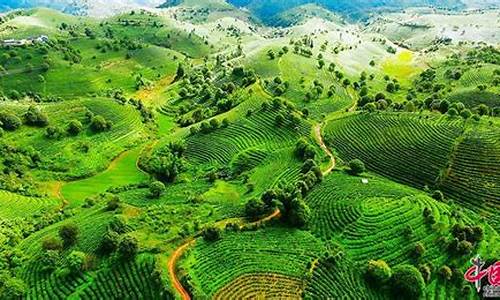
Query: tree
x=212, y=234
x=378, y=272
x=109, y=242
x=304, y=150
x=299, y=213
x=128, y=247
x=445, y=273
x=357, y=166
x=9, y=121
x=452, y=112
x=466, y=114
x=438, y=195
x=419, y=249
x=75, y=262
x=391, y=88
x=12, y=288
x=482, y=109
x=35, y=117
x=74, y=127
x=113, y=203
x=255, y=208
x=156, y=189
x=69, y=234
x=54, y=132
x=271, y=54
x=99, y=124
x=180, y=72
x=52, y=243
x=407, y=282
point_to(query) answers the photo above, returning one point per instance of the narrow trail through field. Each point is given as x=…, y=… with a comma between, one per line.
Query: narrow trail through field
x=319, y=138
x=176, y=255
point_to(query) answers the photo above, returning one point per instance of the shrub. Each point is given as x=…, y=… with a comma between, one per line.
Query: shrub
x=356, y=167
x=445, y=273
x=419, y=249
x=12, y=288
x=75, y=262
x=99, y=124
x=438, y=195
x=109, y=242
x=35, y=117
x=156, y=189
x=378, y=272
x=212, y=234
x=74, y=127
x=128, y=247
x=9, y=121
x=69, y=234
x=54, y=132
x=407, y=282
x=52, y=243
x=298, y=213
x=255, y=208
x=113, y=203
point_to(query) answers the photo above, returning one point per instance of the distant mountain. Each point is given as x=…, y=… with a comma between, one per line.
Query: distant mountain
x=90, y=7
x=268, y=9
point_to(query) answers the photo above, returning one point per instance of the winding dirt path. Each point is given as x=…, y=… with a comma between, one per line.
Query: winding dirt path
x=176, y=255
x=171, y=269
x=321, y=142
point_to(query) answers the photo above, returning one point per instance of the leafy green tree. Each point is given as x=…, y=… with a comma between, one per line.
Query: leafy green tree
x=156, y=189
x=113, y=203
x=54, y=132
x=445, y=273
x=356, y=167
x=74, y=127
x=128, y=247
x=438, y=195
x=35, y=117
x=69, y=234
x=378, y=272
x=12, y=288
x=255, y=208
x=419, y=249
x=99, y=124
x=452, y=112
x=407, y=282
x=299, y=213
x=466, y=114
x=180, y=72
x=52, y=243
x=212, y=234
x=304, y=150
x=75, y=262
x=109, y=242
x=9, y=121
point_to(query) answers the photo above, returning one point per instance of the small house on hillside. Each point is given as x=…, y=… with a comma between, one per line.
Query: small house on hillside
x=29, y=41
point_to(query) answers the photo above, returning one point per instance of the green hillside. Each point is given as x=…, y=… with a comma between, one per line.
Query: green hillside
x=248, y=150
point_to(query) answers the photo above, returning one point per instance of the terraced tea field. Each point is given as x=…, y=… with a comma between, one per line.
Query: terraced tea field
x=197, y=150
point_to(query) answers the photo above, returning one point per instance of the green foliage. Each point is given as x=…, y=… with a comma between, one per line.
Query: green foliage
x=212, y=234
x=99, y=124
x=9, y=121
x=255, y=208
x=356, y=166
x=75, y=261
x=69, y=234
x=378, y=272
x=128, y=247
x=407, y=282
x=74, y=127
x=156, y=189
